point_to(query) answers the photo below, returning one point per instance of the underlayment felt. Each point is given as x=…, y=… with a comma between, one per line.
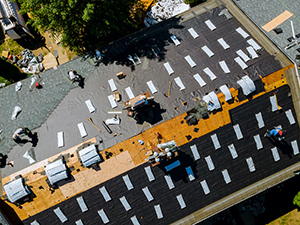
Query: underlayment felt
x=72, y=110
x=38, y=104
x=191, y=191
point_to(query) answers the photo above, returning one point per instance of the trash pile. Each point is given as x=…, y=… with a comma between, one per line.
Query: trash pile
x=30, y=63
x=165, y=9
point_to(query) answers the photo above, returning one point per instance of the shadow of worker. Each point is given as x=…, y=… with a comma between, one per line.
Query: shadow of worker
x=3, y=159
x=285, y=148
x=81, y=81
x=34, y=139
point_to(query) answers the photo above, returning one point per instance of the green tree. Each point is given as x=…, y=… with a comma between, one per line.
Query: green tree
x=296, y=200
x=83, y=24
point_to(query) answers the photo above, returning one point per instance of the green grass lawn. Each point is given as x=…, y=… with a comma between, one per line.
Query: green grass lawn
x=12, y=46
x=9, y=72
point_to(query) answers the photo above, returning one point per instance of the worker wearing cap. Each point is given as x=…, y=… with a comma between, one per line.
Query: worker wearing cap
x=276, y=132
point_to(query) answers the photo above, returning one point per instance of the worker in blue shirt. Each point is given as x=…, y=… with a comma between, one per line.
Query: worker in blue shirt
x=276, y=132
x=99, y=55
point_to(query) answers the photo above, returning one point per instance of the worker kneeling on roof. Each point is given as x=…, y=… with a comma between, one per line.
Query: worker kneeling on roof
x=16, y=136
x=276, y=132
x=74, y=76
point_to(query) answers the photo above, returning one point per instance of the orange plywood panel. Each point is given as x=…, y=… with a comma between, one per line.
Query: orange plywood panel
x=90, y=177
x=28, y=171
x=277, y=21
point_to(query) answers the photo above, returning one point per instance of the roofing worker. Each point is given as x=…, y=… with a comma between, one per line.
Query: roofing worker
x=99, y=55
x=18, y=132
x=73, y=76
x=276, y=132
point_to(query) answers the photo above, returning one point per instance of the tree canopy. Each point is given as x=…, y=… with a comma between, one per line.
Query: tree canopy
x=296, y=200
x=83, y=24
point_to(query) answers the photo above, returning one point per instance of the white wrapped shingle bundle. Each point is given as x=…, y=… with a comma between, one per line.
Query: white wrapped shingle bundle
x=165, y=9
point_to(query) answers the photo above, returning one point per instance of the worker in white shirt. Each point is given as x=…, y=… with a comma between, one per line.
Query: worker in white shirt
x=18, y=132
x=73, y=76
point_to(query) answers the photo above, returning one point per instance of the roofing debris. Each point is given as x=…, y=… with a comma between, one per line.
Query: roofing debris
x=165, y=9
x=30, y=63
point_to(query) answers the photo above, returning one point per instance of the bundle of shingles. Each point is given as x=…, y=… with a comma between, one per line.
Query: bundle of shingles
x=165, y=9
